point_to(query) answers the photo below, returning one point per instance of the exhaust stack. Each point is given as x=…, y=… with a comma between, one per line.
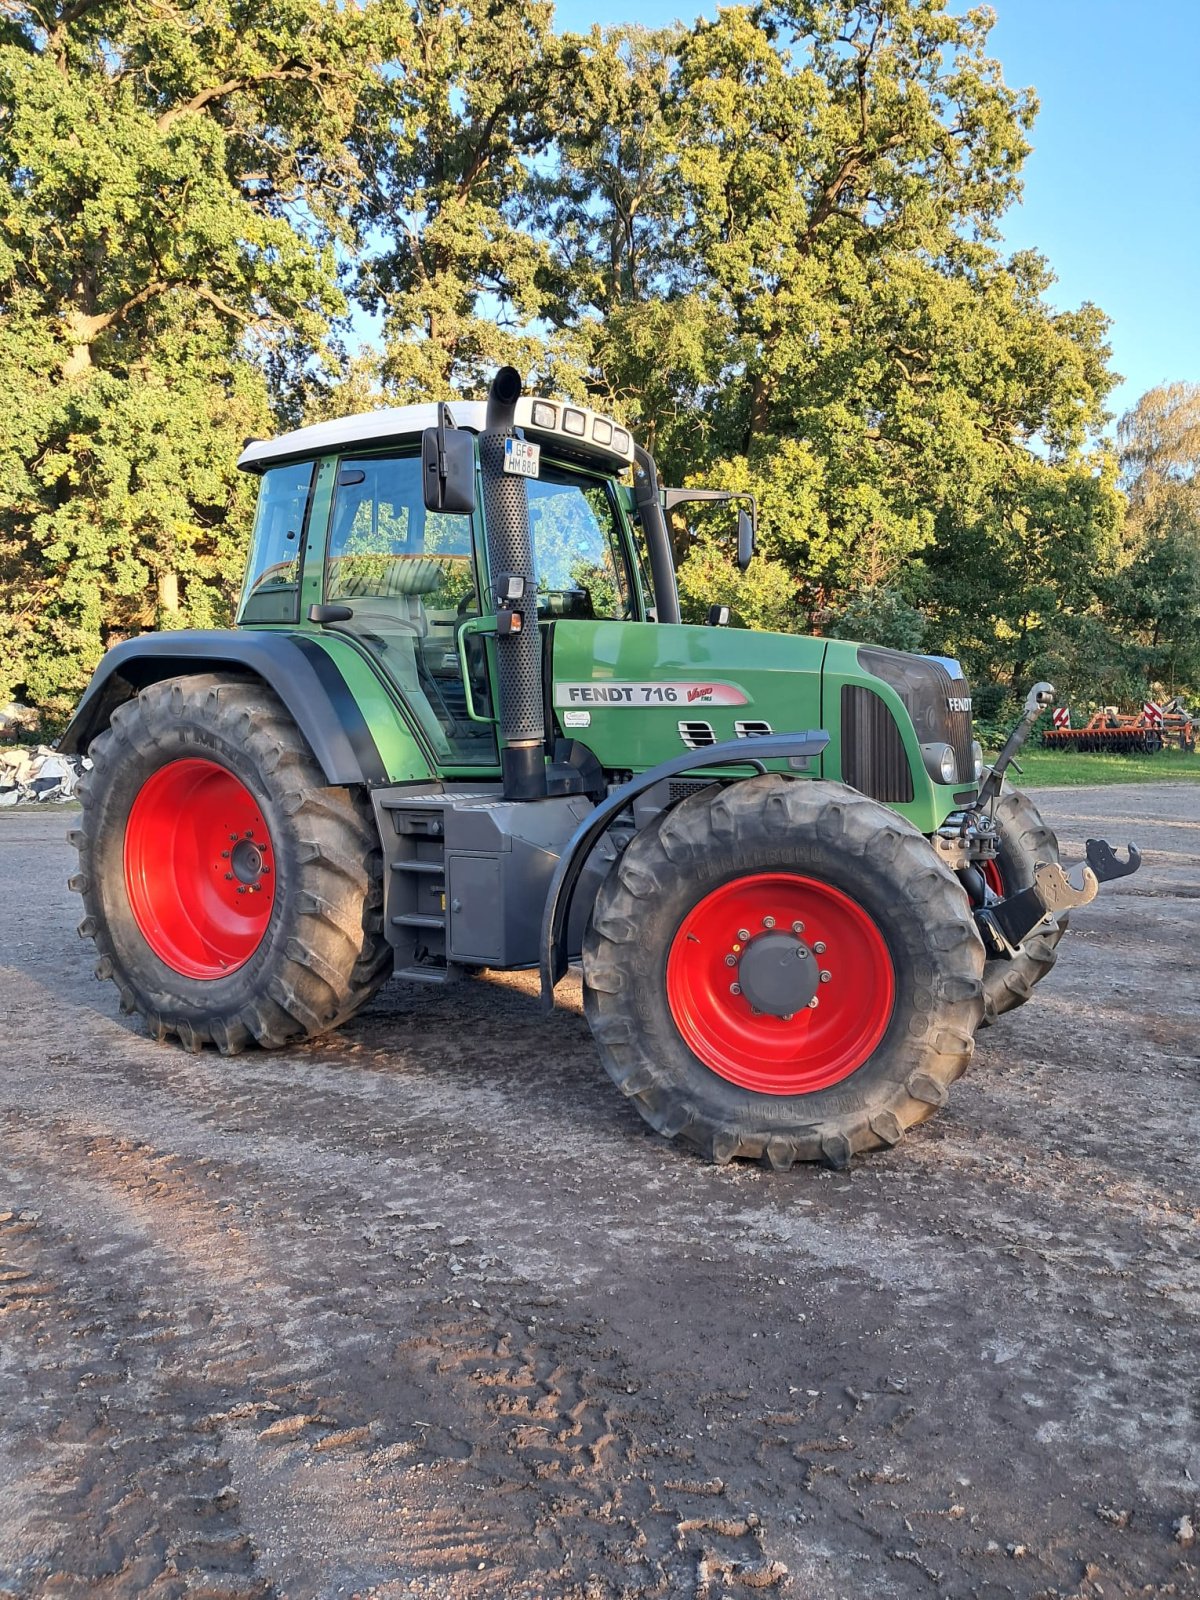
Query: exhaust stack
x=510, y=555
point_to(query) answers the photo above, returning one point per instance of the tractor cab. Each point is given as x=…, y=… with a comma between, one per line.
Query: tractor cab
x=344, y=543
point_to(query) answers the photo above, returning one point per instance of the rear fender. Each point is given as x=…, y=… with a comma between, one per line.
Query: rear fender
x=787, y=747
x=303, y=675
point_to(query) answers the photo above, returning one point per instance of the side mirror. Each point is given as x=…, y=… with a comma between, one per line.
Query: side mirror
x=745, y=539
x=448, y=467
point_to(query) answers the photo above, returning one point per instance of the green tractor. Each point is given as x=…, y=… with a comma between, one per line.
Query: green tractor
x=459, y=725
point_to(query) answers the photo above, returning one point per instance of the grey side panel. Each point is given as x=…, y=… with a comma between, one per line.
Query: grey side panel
x=501, y=857
x=467, y=873
x=298, y=670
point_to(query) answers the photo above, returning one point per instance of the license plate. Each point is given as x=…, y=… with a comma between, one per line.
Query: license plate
x=521, y=458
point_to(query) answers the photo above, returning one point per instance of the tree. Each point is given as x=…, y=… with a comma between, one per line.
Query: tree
x=1155, y=596
x=444, y=137
x=176, y=178
x=794, y=253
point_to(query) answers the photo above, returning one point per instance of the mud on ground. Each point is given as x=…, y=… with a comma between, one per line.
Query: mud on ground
x=425, y=1309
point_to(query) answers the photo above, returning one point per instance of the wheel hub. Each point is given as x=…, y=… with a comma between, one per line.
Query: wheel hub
x=778, y=974
x=246, y=861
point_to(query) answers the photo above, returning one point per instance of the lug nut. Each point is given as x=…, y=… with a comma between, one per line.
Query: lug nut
x=233, y=838
x=242, y=888
x=812, y=1004
x=768, y=922
x=825, y=977
x=735, y=988
x=797, y=927
x=743, y=934
x=249, y=833
x=229, y=877
x=224, y=855
x=731, y=961
x=819, y=947
x=788, y=1015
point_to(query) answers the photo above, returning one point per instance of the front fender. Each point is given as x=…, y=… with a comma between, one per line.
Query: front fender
x=303, y=675
x=789, y=747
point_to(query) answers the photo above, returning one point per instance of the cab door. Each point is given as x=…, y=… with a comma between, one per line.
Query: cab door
x=410, y=582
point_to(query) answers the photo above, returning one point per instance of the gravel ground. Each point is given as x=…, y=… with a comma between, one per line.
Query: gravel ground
x=424, y=1309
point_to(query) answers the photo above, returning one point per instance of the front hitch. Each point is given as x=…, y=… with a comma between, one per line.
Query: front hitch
x=1006, y=924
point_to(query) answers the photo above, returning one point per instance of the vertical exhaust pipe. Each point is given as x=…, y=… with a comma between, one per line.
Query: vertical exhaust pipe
x=510, y=554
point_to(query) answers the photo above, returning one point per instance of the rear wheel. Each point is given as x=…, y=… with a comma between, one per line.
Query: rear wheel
x=782, y=968
x=1024, y=840
x=232, y=896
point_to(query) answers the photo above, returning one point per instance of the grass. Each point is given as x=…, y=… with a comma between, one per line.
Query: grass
x=1047, y=769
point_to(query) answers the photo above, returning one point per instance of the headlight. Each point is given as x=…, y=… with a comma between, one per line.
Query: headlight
x=977, y=752
x=940, y=762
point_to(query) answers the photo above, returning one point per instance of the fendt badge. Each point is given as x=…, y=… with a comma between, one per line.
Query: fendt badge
x=957, y=703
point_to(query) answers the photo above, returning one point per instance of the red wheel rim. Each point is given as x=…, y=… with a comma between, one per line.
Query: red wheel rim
x=992, y=876
x=199, y=868
x=816, y=1045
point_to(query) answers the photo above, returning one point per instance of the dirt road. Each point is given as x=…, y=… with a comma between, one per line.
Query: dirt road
x=424, y=1309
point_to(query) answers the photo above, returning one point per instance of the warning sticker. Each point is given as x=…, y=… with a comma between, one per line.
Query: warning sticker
x=649, y=694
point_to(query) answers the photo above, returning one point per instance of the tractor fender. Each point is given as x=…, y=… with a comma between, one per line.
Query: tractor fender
x=304, y=676
x=793, y=748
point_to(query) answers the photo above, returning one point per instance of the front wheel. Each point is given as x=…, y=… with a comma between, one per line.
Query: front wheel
x=1024, y=840
x=782, y=968
x=232, y=896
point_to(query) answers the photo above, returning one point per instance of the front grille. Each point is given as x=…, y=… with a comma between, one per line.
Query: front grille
x=926, y=689
x=874, y=759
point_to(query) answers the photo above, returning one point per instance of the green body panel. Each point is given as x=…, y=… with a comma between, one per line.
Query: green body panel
x=607, y=677
x=403, y=758
x=629, y=728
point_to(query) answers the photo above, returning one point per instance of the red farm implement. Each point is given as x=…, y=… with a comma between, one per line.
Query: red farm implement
x=1144, y=732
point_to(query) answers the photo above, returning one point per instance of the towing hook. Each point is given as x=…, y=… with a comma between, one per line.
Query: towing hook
x=1107, y=865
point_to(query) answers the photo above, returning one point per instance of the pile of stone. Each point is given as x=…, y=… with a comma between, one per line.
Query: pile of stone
x=37, y=774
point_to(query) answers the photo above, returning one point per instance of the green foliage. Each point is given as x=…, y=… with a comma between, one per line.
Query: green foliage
x=769, y=242
x=176, y=177
x=880, y=615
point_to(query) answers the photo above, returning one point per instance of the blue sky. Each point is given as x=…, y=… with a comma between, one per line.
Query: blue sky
x=1112, y=190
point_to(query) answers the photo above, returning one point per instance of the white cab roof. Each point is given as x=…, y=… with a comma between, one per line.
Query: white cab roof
x=372, y=429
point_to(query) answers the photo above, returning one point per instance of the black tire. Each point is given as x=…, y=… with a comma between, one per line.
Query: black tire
x=323, y=953
x=820, y=831
x=1024, y=840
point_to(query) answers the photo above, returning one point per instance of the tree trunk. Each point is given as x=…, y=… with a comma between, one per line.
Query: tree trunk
x=168, y=593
